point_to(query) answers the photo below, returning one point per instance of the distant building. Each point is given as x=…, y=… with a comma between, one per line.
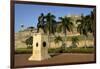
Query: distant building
x=74, y=18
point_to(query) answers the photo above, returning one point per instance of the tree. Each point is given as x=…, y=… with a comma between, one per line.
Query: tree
x=92, y=21
x=50, y=26
x=66, y=25
x=50, y=22
x=83, y=27
x=29, y=42
x=75, y=41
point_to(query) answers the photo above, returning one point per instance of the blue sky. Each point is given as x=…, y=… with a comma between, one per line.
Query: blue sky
x=28, y=14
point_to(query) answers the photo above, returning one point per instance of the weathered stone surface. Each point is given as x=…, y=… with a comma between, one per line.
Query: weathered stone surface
x=40, y=47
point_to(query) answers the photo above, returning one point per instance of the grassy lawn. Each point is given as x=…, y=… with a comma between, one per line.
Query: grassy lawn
x=72, y=50
x=79, y=50
x=23, y=50
x=57, y=50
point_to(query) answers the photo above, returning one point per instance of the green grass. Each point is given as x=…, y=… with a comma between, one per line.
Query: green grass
x=79, y=50
x=23, y=51
x=57, y=50
x=54, y=50
x=72, y=50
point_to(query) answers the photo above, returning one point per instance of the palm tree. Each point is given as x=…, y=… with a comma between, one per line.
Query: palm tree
x=83, y=27
x=50, y=25
x=66, y=25
x=57, y=39
x=92, y=21
x=50, y=22
x=75, y=41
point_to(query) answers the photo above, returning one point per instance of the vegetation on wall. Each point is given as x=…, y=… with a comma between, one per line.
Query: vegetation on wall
x=29, y=42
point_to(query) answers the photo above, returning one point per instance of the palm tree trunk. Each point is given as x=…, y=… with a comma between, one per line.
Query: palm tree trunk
x=65, y=39
x=49, y=40
x=56, y=45
x=85, y=42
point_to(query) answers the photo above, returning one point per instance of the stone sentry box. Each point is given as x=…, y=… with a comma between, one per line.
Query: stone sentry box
x=40, y=47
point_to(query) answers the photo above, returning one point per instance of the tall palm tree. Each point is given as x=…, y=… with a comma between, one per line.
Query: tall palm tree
x=66, y=25
x=92, y=21
x=50, y=25
x=83, y=27
x=50, y=22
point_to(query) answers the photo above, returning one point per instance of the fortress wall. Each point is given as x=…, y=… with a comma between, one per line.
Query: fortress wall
x=69, y=43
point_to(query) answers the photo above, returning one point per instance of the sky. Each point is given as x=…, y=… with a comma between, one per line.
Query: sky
x=27, y=14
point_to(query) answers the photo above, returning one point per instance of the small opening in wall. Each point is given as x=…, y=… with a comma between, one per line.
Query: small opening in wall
x=44, y=44
x=36, y=44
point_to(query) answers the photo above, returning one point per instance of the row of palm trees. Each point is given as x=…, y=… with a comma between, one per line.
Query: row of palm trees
x=48, y=24
x=87, y=24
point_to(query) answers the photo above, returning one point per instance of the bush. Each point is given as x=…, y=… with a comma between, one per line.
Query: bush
x=75, y=41
x=29, y=41
x=73, y=46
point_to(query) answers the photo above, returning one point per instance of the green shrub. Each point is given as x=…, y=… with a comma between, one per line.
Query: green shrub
x=29, y=42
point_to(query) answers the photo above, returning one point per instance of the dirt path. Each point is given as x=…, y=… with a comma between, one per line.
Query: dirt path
x=22, y=59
